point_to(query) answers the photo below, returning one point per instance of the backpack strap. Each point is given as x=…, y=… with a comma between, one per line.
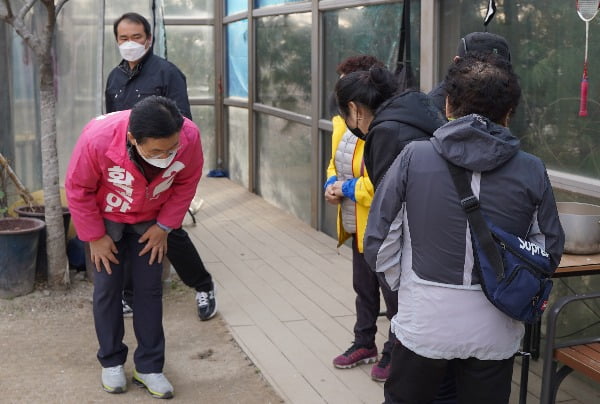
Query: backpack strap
x=470, y=204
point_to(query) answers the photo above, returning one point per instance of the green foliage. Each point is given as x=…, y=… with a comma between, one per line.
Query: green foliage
x=372, y=30
x=547, y=41
x=283, y=61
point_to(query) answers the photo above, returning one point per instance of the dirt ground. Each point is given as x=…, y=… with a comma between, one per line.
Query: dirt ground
x=48, y=352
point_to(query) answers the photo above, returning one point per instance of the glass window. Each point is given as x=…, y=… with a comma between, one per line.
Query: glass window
x=237, y=59
x=191, y=48
x=113, y=9
x=373, y=30
x=204, y=118
x=284, y=166
x=237, y=128
x=550, y=66
x=283, y=61
x=235, y=6
x=189, y=8
x=27, y=153
x=77, y=46
x=263, y=3
x=6, y=136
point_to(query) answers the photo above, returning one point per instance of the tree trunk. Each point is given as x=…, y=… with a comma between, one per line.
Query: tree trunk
x=58, y=269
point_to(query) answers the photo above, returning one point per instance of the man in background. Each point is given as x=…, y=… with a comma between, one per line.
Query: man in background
x=140, y=74
x=483, y=42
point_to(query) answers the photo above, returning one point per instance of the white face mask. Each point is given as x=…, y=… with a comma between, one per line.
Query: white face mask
x=160, y=163
x=132, y=51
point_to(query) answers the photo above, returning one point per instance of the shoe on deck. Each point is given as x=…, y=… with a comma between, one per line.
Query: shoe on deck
x=127, y=310
x=113, y=379
x=381, y=370
x=156, y=384
x=355, y=355
x=207, y=304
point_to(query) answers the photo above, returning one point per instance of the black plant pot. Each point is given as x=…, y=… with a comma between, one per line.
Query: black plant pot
x=38, y=212
x=19, y=239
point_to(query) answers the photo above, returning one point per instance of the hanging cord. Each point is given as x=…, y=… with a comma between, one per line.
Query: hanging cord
x=403, y=70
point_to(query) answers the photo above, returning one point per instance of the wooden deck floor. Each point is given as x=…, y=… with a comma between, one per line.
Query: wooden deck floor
x=286, y=293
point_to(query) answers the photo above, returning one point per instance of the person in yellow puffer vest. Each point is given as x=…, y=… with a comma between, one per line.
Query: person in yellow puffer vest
x=348, y=186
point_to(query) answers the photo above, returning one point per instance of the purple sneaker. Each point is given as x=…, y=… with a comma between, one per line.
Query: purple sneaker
x=381, y=370
x=355, y=355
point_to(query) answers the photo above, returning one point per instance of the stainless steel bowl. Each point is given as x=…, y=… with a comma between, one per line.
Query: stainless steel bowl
x=581, y=222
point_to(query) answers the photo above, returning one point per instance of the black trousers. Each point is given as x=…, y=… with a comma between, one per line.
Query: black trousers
x=366, y=284
x=415, y=379
x=187, y=263
x=149, y=356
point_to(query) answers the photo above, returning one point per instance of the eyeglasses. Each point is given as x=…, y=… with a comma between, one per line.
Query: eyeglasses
x=158, y=154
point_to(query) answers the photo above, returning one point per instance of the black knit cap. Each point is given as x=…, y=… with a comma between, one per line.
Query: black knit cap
x=483, y=42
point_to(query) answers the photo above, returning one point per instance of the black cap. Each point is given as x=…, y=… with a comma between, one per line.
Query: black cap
x=483, y=42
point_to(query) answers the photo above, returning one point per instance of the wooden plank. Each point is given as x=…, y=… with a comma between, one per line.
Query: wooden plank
x=294, y=349
x=305, y=305
x=356, y=381
x=255, y=238
x=249, y=289
x=514, y=392
x=222, y=231
x=573, y=260
x=281, y=374
x=331, y=294
x=595, y=346
x=577, y=357
x=228, y=295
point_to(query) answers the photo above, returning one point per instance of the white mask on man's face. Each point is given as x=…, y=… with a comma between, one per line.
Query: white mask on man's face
x=132, y=51
x=160, y=163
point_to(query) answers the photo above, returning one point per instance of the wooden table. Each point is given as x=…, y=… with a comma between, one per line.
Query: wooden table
x=578, y=265
x=570, y=265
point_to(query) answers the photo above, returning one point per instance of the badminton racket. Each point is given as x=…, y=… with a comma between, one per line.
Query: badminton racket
x=587, y=10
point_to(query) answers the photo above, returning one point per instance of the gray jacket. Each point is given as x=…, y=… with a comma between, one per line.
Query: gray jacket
x=417, y=201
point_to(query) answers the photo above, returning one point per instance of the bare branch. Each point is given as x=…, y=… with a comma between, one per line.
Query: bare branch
x=25, y=9
x=30, y=39
x=13, y=177
x=5, y=10
x=18, y=23
x=60, y=5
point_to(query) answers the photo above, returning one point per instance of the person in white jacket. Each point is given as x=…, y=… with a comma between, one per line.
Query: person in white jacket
x=418, y=236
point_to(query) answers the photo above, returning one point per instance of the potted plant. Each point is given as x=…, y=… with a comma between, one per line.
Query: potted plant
x=19, y=240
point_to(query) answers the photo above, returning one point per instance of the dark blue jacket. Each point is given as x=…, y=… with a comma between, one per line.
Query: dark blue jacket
x=152, y=76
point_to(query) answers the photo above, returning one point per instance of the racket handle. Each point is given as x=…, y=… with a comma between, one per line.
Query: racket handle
x=583, y=98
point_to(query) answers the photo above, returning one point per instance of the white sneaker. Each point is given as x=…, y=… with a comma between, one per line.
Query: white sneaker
x=156, y=384
x=127, y=310
x=113, y=379
x=195, y=205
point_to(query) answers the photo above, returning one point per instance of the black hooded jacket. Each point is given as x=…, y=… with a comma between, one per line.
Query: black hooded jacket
x=438, y=96
x=398, y=121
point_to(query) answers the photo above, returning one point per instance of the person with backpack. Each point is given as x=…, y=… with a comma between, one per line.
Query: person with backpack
x=418, y=236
